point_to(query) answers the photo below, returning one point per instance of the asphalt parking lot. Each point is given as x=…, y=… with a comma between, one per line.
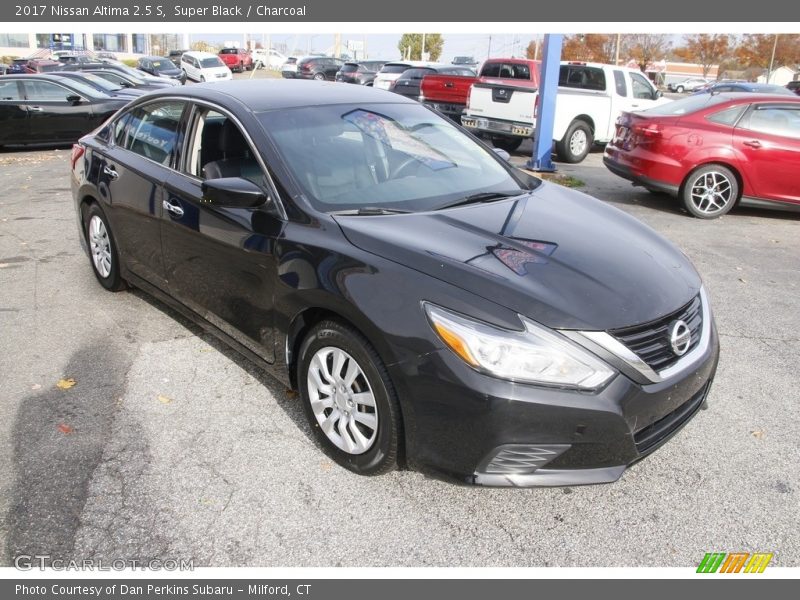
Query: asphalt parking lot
x=165, y=444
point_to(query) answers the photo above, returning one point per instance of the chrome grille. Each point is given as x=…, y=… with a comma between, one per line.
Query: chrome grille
x=651, y=341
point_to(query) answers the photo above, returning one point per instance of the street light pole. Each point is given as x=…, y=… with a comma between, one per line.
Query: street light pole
x=772, y=58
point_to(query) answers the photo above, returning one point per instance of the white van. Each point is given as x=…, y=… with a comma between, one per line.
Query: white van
x=204, y=67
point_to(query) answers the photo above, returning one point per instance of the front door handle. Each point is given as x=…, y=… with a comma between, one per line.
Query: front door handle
x=172, y=208
x=35, y=109
x=753, y=144
x=110, y=172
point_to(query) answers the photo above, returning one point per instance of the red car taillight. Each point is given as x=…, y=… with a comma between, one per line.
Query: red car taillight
x=469, y=95
x=77, y=152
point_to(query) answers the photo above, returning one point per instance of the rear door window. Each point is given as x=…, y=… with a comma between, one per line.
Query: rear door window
x=775, y=120
x=153, y=131
x=620, y=84
x=9, y=90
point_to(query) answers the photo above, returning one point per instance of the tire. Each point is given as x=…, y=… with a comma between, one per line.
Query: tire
x=241, y=68
x=102, y=249
x=202, y=78
x=680, y=89
x=505, y=142
x=576, y=143
x=370, y=442
x=319, y=76
x=710, y=191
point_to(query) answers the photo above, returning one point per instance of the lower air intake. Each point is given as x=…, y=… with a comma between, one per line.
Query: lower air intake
x=520, y=459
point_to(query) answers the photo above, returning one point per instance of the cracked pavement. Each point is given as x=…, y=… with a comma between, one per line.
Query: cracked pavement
x=172, y=446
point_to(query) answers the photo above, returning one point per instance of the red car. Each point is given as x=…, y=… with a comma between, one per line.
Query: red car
x=713, y=151
x=236, y=59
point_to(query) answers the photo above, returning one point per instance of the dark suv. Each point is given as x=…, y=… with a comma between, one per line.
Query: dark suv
x=318, y=67
x=362, y=73
x=794, y=86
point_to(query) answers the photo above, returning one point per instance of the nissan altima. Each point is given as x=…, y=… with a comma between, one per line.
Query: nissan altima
x=434, y=307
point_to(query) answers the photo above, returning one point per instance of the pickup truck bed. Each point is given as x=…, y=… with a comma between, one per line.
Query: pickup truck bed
x=446, y=93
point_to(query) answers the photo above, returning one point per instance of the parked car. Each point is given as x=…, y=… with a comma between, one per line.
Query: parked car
x=318, y=67
x=160, y=66
x=101, y=85
x=590, y=97
x=446, y=93
x=433, y=305
x=204, y=67
x=794, y=86
x=47, y=109
x=271, y=59
x=690, y=84
x=17, y=66
x=236, y=59
x=105, y=55
x=42, y=65
x=123, y=75
x=3, y=68
x=744, y=87
x=391, y=72
x=465, y=61
x=289, y=68
x=175, y=56
x=714, y=152
x=410, y=81
x=362, y=73
x=69, y=59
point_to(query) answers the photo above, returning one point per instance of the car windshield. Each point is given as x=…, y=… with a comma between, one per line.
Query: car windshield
x=685, y=106
x=386, y=156
x=162, y=65
x=100, y=82
x=210, y=63
x=394, y=68
x=506, y=70
x=349, y=68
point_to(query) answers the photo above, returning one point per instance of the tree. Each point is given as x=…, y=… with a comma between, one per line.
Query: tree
x=590, y=47
x=202, y=46
x=755, y=50
x=434, y=44
x=705, y=50
x=532, y=51
x=645, y=48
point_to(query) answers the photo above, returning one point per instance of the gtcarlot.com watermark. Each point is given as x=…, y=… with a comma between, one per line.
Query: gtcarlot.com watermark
x=28, y=562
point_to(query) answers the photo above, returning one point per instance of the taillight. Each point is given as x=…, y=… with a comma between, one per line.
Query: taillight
x=77, y=152
x=469, y=95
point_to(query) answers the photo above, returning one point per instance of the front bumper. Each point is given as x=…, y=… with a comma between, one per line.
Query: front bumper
x=461, y=421
x=497, y=126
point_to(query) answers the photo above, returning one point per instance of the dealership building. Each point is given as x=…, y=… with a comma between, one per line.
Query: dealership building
x=123, y=44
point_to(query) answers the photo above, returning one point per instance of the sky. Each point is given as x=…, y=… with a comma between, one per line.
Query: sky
x=384, y=46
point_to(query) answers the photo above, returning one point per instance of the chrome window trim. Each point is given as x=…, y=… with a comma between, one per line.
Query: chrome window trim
x=608, y=343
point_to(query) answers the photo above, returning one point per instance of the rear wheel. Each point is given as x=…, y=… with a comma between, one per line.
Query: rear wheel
x=102, y=249
x=241, y=68
x=319, y=76
x=680, y=89
x=576, y=143
x=507, y=143
x=349, y=401
x=710, y=192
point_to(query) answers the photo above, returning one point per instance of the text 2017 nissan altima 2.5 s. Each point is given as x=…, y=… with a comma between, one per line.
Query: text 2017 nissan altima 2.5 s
x=433, y=306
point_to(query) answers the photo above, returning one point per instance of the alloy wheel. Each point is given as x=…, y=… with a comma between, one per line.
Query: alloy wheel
x=342, y=400
x=711, y=192
x=100, y=246
x=578, y=142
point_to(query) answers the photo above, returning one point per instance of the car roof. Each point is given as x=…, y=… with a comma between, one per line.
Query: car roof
x=261, y=95
x=154, y=57
x=199, y=54
x=760, y=97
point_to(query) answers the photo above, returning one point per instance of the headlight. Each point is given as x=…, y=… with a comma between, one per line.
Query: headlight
x=532, y=355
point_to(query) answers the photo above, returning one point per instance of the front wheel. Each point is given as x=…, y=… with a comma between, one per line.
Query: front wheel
x=576, y=143
x=680, y=89
x=102, y=249
x=349, y=400
x=710, y=192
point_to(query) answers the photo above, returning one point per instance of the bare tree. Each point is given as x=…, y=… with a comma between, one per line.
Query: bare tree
x=646, y=48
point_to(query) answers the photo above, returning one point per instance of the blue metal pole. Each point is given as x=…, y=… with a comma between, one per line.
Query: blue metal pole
x=545, y=117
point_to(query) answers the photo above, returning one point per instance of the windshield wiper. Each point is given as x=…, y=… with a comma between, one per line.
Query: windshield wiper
x=482, y=197
x=371, y=211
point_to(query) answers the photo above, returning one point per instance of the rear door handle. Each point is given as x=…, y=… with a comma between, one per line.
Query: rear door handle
x=753, y=144
x=172, y=208
x=110, y=172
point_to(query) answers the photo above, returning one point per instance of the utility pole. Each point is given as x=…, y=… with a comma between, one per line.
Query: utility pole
x=489, y=52
x=772, y=58
x=422, y=53
x=337, y=45
x=616, y=49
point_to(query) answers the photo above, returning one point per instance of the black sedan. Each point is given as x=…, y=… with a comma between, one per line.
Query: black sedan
x=121, y=78
x=361, y=73
x=159, y=66
x=47, y=109
x=125, y=71
x=409, y=82
x=434, y=306
x=101, y=85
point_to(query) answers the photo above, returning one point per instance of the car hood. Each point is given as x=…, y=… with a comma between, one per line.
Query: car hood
x=170, y=72
x=557, y=256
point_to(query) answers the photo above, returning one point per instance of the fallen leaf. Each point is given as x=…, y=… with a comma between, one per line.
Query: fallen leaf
x=326, y=466
x=36, y=386
x=742, y=279
x=65, y=384
x=164, y=399
x=738, y=268
x=65, y=429
x=757, y=433
x=291, y=393
x=205, y=349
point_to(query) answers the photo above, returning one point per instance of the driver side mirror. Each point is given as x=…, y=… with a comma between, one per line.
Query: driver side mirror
x=74, y=100
x=232, y=192
x=502, y=154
